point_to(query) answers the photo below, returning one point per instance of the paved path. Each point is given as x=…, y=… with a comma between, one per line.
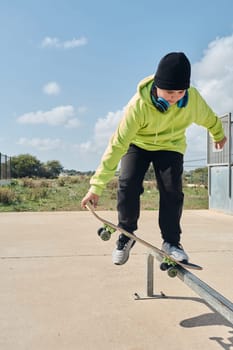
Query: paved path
x=59, y=289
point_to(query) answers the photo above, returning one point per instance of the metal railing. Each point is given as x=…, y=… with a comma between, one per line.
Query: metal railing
x=214, y=299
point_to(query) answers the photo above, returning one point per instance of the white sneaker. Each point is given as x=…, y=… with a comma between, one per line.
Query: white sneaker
x=175, y=251
x=121, y=253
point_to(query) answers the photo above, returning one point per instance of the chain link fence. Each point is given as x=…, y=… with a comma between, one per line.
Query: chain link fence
x=5, y=167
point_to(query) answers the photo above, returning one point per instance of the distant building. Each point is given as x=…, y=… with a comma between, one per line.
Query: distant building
x=220, y=164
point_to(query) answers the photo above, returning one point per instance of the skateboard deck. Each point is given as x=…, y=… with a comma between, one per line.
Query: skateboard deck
x=168, y=263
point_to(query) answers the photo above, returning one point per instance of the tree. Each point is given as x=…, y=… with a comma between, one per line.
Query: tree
x=52, y=169
x=25, y=165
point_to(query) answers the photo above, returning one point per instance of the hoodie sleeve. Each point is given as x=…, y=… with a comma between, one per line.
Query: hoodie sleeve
x=117, y=147
x=207, y=118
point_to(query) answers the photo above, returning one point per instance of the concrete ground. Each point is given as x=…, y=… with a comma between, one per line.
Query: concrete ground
x=59, y=289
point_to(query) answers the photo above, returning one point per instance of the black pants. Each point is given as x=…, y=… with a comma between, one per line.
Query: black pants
x=168, y=168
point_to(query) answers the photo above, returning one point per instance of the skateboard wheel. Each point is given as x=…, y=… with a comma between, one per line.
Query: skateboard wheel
x=163, y=266
x=104, y=234
x=172, y=271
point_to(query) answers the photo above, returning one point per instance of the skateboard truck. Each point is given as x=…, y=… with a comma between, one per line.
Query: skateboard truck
x=170, y=266
x=105, y=232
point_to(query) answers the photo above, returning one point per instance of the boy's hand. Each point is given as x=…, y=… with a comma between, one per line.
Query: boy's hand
x=90, y=197
x=220, y=144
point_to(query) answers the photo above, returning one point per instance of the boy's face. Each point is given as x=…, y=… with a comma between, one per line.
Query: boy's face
x=171, y=96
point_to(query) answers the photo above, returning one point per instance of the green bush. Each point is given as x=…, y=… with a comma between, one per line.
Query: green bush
x=7, y=196
x=38, y=193
x=34, y=183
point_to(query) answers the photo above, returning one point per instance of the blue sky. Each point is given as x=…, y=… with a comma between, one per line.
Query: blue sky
x=68, y=68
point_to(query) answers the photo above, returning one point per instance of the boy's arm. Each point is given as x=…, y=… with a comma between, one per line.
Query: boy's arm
x=205, y=116
x=117, y=147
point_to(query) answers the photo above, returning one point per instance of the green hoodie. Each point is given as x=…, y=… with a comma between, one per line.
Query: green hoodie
x=146, y=127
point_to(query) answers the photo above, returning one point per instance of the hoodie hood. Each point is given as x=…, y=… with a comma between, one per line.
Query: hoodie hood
x=144, y=88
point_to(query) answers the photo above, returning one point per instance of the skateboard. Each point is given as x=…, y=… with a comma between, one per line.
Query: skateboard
x=168, y=263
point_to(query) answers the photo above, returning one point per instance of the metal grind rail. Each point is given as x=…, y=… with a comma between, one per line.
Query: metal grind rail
x=218, y=302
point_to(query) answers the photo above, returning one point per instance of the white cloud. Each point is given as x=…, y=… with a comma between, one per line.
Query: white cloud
x=62, y=115
x=82, y=109
x=51, y=88
x=41, y=144
x=72, y=123
x=196, y=153
x=103, y=130
x=104, y=127
x=59, y=44
x=85, y=147
x=213, y=74
x=74, y=43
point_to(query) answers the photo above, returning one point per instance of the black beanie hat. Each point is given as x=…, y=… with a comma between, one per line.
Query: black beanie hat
x=173, y=72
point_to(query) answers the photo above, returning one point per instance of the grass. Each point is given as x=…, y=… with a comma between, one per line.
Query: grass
x=65, y=194
x=194, y=198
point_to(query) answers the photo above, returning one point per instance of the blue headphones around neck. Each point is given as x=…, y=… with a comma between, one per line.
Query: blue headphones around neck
x=162, y=105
